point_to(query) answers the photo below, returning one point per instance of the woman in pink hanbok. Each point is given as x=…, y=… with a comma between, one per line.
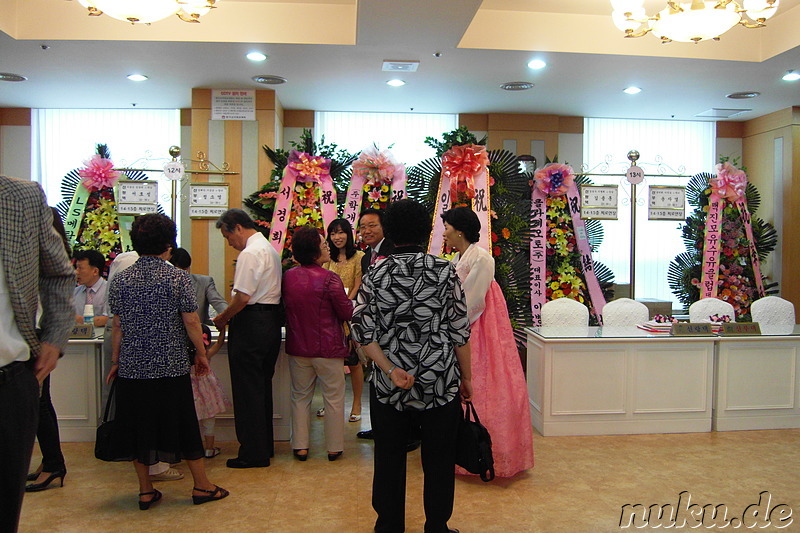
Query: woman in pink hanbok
x=499, y=389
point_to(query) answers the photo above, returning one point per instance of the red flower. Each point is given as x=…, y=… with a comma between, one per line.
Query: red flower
x=494, y=237
x=496, y=251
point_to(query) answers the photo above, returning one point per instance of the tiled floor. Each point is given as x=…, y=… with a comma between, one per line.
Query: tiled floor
x=579, y=484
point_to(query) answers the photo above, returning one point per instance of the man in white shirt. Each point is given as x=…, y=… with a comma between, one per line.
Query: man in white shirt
x=34, y=268
x=92, y=287
x=254, y=339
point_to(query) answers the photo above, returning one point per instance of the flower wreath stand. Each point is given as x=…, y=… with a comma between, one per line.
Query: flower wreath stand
x=560, y=253
x=306, y=196
x=90, y=217
x=377, y=180
x=726, y=243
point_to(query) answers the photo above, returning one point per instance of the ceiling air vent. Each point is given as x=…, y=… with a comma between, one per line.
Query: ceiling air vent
x=722, y=113
x=516, y=86
x=269, y=80
x=394, y=65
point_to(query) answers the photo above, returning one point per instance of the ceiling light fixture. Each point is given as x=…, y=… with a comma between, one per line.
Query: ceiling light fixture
x=266, y=79
x=256, y=56
x=632, y=90
x=744, y=95
x=137, y=77
x=395, y=83
x=792, y=75
x=8, y=76
x=516, y=86
x=147, y=11
x=692, y=21
x=536, y=64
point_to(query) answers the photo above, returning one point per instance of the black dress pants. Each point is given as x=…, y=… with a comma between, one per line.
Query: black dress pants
x=19, y=415
x=253, y=346
x=47, y=433
x=438, y=427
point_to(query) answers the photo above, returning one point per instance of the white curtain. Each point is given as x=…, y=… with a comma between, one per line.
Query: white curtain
x=665, y=147
x=403, y=133
x=63, y=138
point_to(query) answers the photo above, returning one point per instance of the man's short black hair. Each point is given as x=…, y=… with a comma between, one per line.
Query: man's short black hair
x=181, y=258
x=94, y=258
x=370, y=211
x=230, y=218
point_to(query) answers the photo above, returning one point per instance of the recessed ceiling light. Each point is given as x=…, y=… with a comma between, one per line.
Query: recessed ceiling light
x=256, y=56
x=536, y=64
x=516, y=86
x=137, y=77
x=7, y=76
x=792, y=75
x=744, y=95
x=269, y=80
x=632, y=90
x=395, y=83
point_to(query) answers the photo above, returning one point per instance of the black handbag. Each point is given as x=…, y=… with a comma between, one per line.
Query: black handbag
x=102, y=443
x=474, y=445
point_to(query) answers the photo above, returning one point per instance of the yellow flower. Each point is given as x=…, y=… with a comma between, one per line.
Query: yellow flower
x=301, y=221
x=315, y=215
x=384, y=188
x=367, y=187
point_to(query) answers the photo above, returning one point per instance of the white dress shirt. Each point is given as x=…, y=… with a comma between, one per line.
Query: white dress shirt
x=12, y=346
x=258, y=271
x=99, y=300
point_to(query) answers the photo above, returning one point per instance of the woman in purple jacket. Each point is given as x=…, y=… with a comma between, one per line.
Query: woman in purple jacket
x=316, y=306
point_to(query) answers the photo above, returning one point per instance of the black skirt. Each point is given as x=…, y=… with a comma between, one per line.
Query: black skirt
x=155, y=421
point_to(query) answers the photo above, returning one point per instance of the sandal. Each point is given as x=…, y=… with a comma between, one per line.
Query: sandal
x=143, y=506
x=213, y=452
x=217, y=494
x=355, y=418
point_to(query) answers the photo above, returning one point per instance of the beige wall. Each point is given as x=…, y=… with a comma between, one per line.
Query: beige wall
x=771, y=153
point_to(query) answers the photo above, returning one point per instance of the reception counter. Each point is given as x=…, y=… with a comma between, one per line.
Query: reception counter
x=76, y=391
x=600, y=381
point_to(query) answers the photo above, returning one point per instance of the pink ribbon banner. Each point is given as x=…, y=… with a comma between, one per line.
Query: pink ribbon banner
x=538, y=251
x=730, y=183
x=302, y=168
x=464, y=170
x=377, y=169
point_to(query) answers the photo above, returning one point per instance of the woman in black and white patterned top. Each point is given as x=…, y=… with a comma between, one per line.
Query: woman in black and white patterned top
x=154, y=311
x=411, y=318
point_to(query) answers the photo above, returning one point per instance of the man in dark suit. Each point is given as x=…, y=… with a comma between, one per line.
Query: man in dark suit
x=204, y=289
x=370, y=228
x=35, y=267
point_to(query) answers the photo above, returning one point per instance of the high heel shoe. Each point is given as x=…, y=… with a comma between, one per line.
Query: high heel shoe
x=52, y=476
x=143, y=506
x=301, y=456
x=333, y=456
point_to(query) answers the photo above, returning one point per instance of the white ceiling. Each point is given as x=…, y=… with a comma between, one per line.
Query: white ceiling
x=483, y=44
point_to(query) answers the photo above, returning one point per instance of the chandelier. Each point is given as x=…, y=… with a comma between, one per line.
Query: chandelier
x=147, y=11
x=691, y=21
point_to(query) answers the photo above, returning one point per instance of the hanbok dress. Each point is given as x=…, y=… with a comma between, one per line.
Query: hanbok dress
x=498, y=382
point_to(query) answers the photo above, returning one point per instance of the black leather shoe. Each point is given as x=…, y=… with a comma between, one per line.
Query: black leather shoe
x=365, y=434
x=241, y=463
x=412, y=445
